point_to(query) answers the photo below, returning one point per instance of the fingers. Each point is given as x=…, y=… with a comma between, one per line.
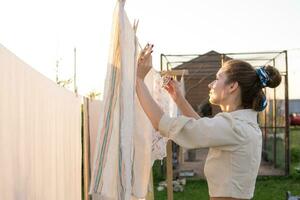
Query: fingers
x=148, y=48
x=168, y=88
x=146, y=52
x=174, y=83
x=166, y=82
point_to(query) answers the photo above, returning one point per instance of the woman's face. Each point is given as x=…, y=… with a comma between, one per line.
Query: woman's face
x=219, y=90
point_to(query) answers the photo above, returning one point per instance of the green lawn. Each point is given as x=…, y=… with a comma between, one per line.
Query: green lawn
x=267, y=188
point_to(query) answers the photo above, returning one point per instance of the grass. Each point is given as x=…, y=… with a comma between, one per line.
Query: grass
x=192, y=191
x=273, y=188
x=267, y=188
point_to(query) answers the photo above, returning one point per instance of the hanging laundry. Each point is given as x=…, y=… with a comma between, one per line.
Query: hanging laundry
x=126, y=144
x=40, y=135
x=112, y=170
x=147, y=143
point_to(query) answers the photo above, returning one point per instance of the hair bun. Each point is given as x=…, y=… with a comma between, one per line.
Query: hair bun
x=259, y=103
x=274, y=76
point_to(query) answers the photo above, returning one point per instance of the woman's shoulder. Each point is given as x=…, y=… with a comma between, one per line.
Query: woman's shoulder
x=246, y=115
x=244, y=122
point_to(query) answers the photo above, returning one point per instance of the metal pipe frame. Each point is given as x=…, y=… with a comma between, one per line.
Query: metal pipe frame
x=271, y=58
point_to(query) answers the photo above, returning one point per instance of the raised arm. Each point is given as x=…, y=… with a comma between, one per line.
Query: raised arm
x=152, y=110
x=186, y=109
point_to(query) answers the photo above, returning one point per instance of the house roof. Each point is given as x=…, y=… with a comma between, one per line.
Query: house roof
x=201, y=58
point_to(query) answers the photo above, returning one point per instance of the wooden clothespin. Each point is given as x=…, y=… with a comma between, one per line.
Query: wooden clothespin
x=174, y=72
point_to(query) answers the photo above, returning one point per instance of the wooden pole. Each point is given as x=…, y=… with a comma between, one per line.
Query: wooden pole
x=169, y=170
x=173, y=73
x=274, y=125
x=287, y=123
x=75, y=73
x=86, y=147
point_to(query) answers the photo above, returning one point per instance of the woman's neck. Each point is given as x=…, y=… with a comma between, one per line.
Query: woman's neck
x=232, y=104
x=230, y=108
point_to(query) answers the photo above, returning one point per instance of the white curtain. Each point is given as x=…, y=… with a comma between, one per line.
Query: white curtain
x=40, y=135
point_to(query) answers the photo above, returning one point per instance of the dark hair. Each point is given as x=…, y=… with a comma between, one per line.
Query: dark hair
x=249, y=82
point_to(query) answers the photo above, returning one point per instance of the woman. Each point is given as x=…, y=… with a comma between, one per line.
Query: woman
x=233, y=136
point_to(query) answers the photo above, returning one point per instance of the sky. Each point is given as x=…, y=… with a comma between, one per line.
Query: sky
x=42, y=32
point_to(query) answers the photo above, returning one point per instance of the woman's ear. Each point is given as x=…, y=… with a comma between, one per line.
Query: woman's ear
x=233, y=86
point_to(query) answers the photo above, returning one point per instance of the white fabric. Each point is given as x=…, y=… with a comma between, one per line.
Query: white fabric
x=127, y=95
x=109, y=177
x=164, y=100
x=112, y=170
x=40, y=135
x=123, y=153
x=145, y=151
x=142, y=149
x=95, y=111
x=234, y=156
x=148, y=145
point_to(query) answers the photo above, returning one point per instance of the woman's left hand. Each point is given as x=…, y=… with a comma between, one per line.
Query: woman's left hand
x=173, y=88
x=145, y=61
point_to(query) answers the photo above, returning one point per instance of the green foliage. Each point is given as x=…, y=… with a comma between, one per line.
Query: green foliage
x=295, y=154
x=158, y=171
x=295, y=144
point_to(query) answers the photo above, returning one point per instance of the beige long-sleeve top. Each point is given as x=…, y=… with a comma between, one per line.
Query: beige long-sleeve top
x=235, y=142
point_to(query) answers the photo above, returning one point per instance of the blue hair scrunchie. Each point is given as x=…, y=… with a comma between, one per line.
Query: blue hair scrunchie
x=264, y=78
x=264, y=103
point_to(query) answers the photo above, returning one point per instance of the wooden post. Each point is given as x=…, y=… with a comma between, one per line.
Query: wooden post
x=86, y=147
x=181, y=156
x=274, y=125
x=174, y=74
x=169, y=171
x=287, y=123
x=75, y=76
x=222, y=59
